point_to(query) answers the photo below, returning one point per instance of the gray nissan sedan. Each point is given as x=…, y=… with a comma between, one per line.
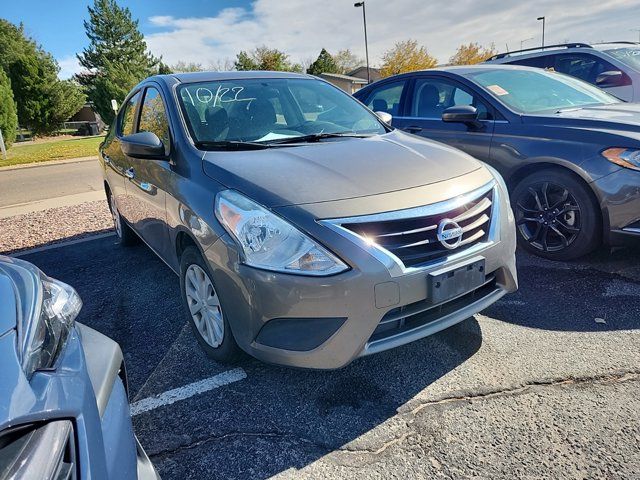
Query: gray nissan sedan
x=305, y=230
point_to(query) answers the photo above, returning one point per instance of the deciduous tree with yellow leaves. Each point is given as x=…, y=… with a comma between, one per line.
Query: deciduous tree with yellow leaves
x=472, y=53
x=406, y=56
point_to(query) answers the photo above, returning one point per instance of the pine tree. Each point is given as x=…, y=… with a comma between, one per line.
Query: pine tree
x=8, y=116
x=116, y=58
x=323, y=64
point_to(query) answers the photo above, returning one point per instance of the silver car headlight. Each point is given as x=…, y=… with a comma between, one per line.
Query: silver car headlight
x=269, y=242
x=44, y=331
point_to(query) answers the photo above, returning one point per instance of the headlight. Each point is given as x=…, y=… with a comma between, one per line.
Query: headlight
x=43, y=333
x=498, y=179
x=625, y=157
x=269, y=242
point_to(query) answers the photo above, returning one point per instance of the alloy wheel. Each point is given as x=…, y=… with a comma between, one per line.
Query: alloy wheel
x=548, y=216
x=204, y=305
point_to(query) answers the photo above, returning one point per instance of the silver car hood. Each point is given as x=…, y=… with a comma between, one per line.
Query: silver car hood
x=337, y=170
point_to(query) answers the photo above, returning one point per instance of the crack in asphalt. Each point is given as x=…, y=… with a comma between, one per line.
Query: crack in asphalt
x=615, y=377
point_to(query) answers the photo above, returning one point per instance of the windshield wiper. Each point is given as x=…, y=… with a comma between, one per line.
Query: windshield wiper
x=230, y=145
x=315, y=137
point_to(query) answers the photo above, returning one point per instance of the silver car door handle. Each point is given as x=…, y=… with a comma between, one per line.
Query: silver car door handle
x=130, y=173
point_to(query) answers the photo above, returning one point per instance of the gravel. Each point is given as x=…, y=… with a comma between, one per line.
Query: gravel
x=55, y=225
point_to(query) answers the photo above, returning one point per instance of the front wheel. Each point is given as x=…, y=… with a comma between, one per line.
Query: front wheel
x=556, y=215
x=204, y=308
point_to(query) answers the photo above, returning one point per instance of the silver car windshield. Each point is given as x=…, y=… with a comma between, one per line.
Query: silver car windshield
x=271, y=110
x=537, y=91
x=629, y=56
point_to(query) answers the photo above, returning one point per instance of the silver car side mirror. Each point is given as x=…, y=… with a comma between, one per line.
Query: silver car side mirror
x=385, y=117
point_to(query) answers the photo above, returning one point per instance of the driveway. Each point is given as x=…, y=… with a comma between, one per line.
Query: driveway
x=544, y=384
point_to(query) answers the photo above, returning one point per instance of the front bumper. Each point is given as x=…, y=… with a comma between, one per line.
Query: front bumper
x=619, y=195
x=326, y=322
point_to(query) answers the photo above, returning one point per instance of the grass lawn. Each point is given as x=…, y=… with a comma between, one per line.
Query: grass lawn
x=56, y=150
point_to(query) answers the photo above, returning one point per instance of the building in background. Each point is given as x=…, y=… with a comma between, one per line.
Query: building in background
x=346, y=82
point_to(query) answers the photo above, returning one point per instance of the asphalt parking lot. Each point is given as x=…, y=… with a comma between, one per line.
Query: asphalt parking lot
x=544, y=384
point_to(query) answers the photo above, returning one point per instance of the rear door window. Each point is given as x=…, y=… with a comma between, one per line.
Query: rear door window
x=543, y=61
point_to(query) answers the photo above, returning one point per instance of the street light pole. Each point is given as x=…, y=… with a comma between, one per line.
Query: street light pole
x=366, y=43
x=522, y=42
x=637, y=30
x=543, y=22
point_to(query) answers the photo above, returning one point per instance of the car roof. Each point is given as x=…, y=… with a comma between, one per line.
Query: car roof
x=234, y=75
x=466, y=69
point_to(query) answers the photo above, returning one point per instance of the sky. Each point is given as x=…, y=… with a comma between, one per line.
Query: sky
x=211, y=32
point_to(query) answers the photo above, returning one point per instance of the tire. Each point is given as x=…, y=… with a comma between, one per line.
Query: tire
x=126, y=235
x=211, y=330
x=558, y=203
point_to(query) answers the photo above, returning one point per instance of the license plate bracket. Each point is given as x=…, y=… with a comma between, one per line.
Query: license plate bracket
x=450, y=282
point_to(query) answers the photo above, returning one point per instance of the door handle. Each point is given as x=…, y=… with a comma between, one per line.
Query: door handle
x=413, y=129
x=130, y=173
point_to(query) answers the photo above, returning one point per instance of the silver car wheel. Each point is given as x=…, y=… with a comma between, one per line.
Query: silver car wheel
x=116, y=216
x=204, y=305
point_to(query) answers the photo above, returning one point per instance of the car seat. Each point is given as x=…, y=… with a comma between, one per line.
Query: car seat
x=429, y=102
x=380, y=105
x=217, y=123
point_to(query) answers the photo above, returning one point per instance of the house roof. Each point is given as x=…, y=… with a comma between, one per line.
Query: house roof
x=357, y=80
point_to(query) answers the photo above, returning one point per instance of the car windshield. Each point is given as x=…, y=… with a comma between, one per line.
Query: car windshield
x=536, y=91
x=263, y=111
x=629, y=56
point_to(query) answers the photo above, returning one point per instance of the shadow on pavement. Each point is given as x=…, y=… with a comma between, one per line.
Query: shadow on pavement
x=600, y=292
x=276, y=419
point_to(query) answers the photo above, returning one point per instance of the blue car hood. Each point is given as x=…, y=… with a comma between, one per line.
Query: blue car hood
x=618, y=116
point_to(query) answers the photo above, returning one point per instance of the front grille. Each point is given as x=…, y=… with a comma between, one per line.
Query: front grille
x=414, y=240
x=417, y=314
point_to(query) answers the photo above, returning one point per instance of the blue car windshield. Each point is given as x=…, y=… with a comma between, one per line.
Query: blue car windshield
x=272, y=110
x=629, y=56
x=538, y=91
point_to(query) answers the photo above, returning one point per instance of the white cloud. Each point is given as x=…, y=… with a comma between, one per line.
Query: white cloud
x=303, y=28
x=69, y=66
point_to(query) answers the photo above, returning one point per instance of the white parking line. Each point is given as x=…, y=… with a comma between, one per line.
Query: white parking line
x=188, y=391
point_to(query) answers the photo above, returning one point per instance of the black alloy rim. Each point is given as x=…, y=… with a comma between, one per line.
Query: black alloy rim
x=548, y=216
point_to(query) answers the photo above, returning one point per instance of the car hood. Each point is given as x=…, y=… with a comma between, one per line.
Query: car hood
x=337, y=169
x=619, y=116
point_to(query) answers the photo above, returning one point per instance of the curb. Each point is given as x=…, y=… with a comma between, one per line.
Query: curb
x=48, y=163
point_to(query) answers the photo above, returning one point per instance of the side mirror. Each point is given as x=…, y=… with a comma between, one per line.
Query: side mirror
x=143, y=145
x=385, y=117
x=612, y=78
x=467, y=114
